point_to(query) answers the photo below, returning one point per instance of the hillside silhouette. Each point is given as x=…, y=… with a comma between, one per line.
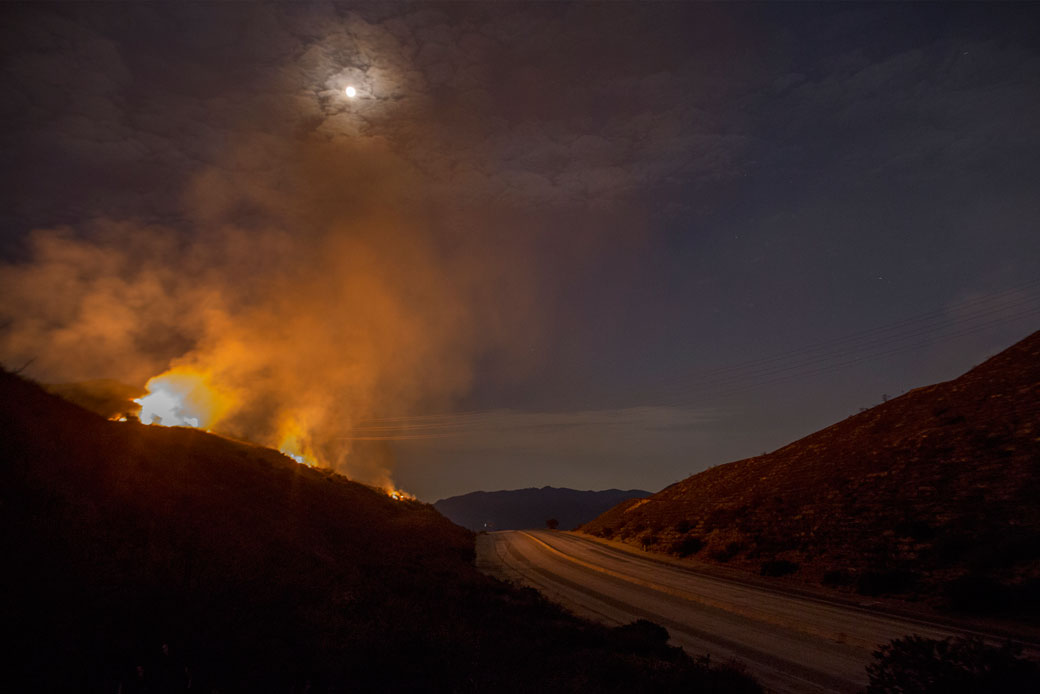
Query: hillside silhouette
x=143, y=558
x=931, y=495
x=517, y=509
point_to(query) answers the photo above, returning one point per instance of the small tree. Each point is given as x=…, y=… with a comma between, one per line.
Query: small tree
x=552, y=524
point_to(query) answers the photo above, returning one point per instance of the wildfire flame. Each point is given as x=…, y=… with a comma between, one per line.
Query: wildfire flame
x=184, y=396
x=399, y=495
x=293, y=443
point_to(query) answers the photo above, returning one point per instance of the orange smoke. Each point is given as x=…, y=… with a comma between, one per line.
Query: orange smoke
x=315, y=284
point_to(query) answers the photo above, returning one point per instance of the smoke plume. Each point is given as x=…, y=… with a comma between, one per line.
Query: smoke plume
x=318, y=262
x=313, y=296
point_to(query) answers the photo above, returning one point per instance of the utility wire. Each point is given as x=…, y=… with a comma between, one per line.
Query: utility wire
x=917, y=332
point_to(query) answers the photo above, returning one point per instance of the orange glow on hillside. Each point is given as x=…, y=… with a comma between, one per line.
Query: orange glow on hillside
x=293, y=442
x=186, y=396
x=183, y=397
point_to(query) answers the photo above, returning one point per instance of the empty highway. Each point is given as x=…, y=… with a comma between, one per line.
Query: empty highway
x=791, y=642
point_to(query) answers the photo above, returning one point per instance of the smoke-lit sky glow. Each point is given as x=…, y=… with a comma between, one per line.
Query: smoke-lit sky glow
x=585, y=245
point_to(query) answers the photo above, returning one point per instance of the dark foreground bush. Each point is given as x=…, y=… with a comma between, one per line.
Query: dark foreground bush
x=916, y=665
x=642, y=637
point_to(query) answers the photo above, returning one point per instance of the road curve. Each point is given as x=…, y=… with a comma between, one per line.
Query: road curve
x=790, y=642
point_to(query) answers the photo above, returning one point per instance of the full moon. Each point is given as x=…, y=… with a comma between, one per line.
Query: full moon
x=351, y=92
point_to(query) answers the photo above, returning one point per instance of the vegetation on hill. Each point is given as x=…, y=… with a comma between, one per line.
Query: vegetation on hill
x=147, y=558
x=106, y=397
x=932, y=494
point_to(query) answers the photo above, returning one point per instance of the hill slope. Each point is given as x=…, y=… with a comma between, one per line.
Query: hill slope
x=931, y=493
x=260, y=575
x=517, y=509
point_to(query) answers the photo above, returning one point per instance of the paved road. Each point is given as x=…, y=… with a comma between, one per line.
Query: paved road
x=790, y=642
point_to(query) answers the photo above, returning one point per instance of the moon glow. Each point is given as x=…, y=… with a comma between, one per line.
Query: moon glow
x=351, y=92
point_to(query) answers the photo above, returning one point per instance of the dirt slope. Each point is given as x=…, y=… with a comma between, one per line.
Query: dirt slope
x=934, y=494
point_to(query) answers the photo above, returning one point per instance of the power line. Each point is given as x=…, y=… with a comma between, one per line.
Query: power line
x=964, y=318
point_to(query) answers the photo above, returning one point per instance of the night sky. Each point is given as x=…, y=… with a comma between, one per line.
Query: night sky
x=592, y=245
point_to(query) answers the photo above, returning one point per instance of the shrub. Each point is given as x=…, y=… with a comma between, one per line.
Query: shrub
x=978, y=594
x=642, y=636
x=916, y=529
x=975, y=593
x=885, y=582
x=1004, y=548
x=837, y=577
x=731, y=550
x=950, y=666
x=687, y=546
x=778, y=567
x=683, y=527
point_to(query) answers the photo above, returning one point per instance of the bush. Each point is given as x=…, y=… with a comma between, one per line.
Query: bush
x=837, y=577
x=885, y=582
x=778, y=567
x=642, y=637
x=978, y=594
x=687, y=546
x=975, y=594
x=951, y=666
x=731, y=550
x=683, y=527
x=913, y=528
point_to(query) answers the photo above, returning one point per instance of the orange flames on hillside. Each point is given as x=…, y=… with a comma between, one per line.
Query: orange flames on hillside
x=187, y=397
x=183, y=397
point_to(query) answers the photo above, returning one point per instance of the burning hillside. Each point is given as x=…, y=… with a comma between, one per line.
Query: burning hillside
x=367, y=308
x=260, y=575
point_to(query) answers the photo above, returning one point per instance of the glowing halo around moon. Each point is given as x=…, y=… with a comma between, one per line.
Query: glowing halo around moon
x=351, y=92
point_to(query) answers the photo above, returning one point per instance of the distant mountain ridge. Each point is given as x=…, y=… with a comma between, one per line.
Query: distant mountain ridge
x=516, y=509
x=932, y=494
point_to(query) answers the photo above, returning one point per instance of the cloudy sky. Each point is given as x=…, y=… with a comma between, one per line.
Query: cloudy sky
x=588, y=245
